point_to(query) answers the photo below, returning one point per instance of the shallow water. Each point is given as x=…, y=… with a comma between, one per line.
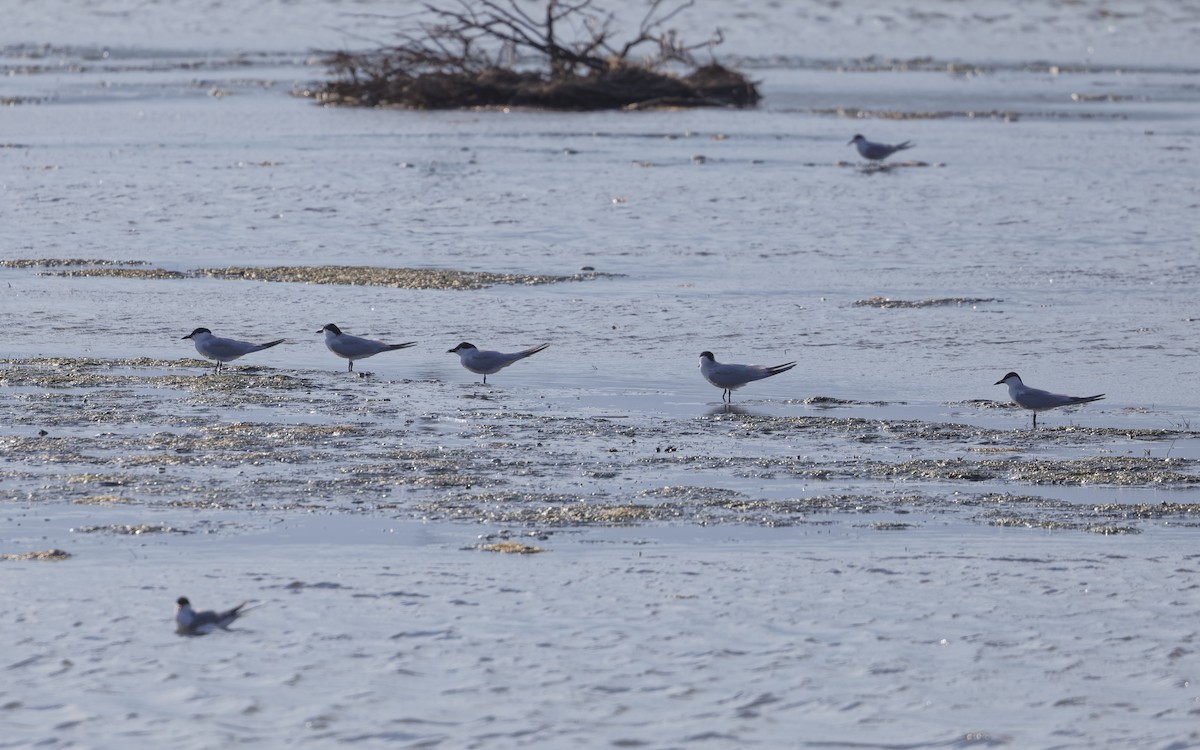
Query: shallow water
x=850, y=518
x=672, y=638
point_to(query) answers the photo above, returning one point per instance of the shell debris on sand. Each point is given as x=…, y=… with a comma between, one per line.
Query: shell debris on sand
x=402, y=278
x=888, y=302
x=47, y=554
x=398, y=278
x=511, y=548
x=60, y=373
x=285, y=441
x=129, y=529
x=122, y=273
x=101, y=500
x=885, y=114
x=65, y=262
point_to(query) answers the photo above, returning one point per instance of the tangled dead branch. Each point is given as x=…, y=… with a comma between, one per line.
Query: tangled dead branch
x=496, y=53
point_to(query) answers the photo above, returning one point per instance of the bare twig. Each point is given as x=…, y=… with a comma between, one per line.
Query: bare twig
x=476, y=45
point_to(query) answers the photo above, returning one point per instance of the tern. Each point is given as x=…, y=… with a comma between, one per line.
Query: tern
x=877, y=151
x=190, y=622
x=731, y=377
x=1038, y=400
x=354, y=347
x=482, y=362
x=224, y=350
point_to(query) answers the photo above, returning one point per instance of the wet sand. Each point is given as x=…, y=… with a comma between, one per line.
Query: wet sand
x=146, y=433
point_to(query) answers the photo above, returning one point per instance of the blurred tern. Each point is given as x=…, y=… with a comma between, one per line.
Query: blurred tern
x=224, y=350
x=731, y=377
x=1037, y=400
x=190, y=622
x=877, y=151
x=486, y=363
x=353, y=347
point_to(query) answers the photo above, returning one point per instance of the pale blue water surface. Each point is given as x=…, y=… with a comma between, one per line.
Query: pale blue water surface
x=832, y=563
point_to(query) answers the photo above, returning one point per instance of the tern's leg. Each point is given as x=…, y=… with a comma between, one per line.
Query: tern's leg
x=1035, y=420
x=351, y=367
x=485, y=379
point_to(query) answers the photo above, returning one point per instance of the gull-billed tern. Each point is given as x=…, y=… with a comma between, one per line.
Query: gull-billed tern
x=877, y=151
x=1038, y=400
x=482, y=362
x=224, y=350
x=354, y=347
x=731, y=377
x=190, y=622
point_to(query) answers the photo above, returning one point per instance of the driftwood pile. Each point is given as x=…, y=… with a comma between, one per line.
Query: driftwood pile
x=493, y=53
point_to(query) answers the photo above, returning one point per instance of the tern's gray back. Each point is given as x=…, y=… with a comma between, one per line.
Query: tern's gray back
x=875, y=150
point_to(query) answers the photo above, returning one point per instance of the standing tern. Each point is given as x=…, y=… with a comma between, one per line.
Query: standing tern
x=190, y=622
x=353, y=347
x=1038, y=400
x=731, y=377
x=482, y=362
x=877, y=151
x=224, y=350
